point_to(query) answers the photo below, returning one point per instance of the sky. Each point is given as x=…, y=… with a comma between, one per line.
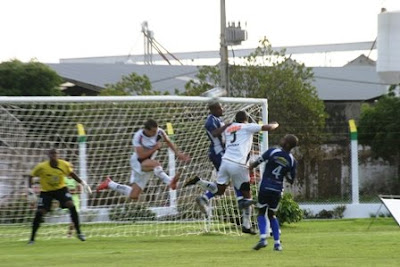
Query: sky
x=48, y=30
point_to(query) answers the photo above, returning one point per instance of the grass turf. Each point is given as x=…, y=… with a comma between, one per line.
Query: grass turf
x=346, y=242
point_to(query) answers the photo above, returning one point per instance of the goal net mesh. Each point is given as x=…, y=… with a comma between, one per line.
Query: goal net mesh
x=30, y=128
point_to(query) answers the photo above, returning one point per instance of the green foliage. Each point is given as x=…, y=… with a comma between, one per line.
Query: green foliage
x=133, y=84
x=336, y=213
x=379, y=126
x=289, y=211
x=205, y=79
x=287, y=84
x=112, y=92
x=28, y=79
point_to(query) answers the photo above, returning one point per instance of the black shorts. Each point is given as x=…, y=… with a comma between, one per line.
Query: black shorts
x=62, y=195
x=269, y=198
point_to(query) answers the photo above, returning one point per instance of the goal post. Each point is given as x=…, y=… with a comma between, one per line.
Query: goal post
x=95, y=135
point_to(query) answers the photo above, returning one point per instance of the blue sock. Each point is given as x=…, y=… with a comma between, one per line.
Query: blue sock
x=275, y=228
x=209, y=195
x=262, y=225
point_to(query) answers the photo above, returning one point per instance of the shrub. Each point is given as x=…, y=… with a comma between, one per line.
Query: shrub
x=289, y=211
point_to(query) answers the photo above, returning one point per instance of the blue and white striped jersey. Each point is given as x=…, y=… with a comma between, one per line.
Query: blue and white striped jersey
x=279, y=163
x=217, y=144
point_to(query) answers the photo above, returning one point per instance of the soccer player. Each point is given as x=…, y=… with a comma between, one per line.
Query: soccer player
x=239, y=140
x=146, y=143
x=52, y=173
x=280, y=163
x=214, y=128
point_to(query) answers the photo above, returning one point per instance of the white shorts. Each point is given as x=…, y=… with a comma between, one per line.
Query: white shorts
x=138, y=176
x=233, y=172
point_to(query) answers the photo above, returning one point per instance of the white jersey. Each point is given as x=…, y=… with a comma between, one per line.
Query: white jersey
x=239, y=139
x=148, y=142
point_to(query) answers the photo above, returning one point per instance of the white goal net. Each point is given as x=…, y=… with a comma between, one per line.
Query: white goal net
x=31, y=126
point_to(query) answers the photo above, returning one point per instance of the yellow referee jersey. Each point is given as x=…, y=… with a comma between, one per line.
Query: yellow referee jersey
x=52, y=178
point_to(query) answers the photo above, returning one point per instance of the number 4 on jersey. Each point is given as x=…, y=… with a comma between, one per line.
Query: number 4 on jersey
x=277, y=172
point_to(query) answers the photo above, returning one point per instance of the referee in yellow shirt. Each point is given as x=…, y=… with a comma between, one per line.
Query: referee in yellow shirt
x=51, y=173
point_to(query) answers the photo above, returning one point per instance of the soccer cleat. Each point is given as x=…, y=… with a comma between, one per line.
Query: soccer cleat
x=174, y=181
x=278, y=247
x=202, y=202
x=260, y=244
x=244, y=203
x=248, y=231
x=104, y=184
x=31, y=242
x=192, y=181
x=81, y=237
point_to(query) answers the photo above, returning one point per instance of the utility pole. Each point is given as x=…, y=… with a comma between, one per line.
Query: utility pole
x=224, y=65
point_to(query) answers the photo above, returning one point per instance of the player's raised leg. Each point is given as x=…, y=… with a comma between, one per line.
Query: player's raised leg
x=110, y=184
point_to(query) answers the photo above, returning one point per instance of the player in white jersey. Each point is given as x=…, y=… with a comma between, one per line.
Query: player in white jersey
x=146, y=143
x=234, y=166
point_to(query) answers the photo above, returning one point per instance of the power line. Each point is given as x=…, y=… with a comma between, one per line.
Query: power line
x=173, y=77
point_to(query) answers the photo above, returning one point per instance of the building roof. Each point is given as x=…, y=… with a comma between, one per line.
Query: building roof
x=349, y=83
x=163, y=77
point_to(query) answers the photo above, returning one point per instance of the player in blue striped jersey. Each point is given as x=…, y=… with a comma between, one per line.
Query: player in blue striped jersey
x=215, y=128
x=280, y=163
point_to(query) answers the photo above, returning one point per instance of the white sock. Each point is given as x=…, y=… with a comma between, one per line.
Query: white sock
x=206, y=185
x=120, y=188
x=160, y=173
x=246, y=217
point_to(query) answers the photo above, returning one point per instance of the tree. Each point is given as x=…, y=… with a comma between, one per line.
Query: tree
x=206, y=78
x=287, y=84
x=28, y=79
x=133, y=84
x=379, y=127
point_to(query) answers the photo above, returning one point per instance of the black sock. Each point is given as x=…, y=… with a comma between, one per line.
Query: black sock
x=36, y=224
x=75, y=219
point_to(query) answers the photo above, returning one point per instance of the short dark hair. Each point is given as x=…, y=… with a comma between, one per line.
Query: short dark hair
x=291, y=140
x=241, y=116
x=150, y=124
x=52, y=151
x=213, y=106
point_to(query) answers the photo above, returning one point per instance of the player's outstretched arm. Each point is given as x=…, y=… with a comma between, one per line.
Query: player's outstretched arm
x=85, y=186
x=181, y=156
x=270, y=127
x=217, y=132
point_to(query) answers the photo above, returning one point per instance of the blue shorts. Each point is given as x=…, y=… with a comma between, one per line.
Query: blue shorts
x=215, y=158
x=269, y=198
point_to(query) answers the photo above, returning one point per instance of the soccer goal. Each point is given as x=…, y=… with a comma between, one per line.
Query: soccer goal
x=95, y=135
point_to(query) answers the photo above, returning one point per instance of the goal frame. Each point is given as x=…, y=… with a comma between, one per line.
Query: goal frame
x=262, y=103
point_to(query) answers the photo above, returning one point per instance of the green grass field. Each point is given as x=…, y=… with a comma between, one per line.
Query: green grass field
x=346, y=242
